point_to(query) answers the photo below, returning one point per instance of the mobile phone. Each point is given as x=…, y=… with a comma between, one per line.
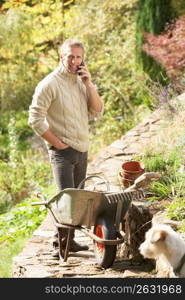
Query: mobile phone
x=78, y=70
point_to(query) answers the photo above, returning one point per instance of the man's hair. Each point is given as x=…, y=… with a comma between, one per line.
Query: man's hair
x=70, y=43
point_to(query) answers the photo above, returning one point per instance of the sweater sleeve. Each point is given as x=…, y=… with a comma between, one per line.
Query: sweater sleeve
x=92, y=114
x=41, y=102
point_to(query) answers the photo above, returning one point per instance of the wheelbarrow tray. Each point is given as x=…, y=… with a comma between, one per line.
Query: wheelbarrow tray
x=81, y=207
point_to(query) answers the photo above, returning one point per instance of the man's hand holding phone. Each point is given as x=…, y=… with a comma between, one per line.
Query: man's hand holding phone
x=84, y=73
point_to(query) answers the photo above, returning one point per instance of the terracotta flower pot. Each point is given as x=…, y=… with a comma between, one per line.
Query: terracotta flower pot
x=130, y=171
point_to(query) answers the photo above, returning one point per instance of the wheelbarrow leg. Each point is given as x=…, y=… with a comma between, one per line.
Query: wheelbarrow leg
x=63, y=254
x=67, y=245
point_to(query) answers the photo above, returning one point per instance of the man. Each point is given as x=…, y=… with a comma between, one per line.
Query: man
x=62, y=104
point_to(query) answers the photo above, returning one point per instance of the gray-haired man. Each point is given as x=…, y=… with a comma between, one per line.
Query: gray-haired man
x=62, y=104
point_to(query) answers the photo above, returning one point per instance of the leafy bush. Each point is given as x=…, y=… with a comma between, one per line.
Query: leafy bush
x=21, y=171
x=20, y=220
x=23, y=61
x=168, y=49
x=31, y=171
x=152, y=17
x=20, y=130
x=17, y=225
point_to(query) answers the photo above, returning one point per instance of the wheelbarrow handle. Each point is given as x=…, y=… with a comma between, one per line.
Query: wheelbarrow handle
x=96, y=176
x=39, y=195
x=39, y=203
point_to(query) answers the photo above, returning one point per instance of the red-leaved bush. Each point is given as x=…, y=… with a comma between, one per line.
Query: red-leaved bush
x=168, y=48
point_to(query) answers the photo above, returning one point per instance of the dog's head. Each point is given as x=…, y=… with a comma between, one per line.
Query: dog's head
x=156, y=242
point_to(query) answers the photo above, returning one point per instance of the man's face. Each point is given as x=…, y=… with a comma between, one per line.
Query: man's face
x=72, y=58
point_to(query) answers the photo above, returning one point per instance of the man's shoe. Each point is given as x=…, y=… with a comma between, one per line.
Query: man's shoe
x=55, y=254
x=75, y=247
x=55, y=243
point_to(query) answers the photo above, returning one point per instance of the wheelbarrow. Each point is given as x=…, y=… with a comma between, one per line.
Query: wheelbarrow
x=83, y=209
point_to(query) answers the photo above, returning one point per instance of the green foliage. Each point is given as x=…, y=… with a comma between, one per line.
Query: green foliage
x=38, y=168
x=23, y=131
x=21, y=220
x=159, y=191
x=182, y=226
x=175, y=210
x=16, y=83
x=7, y=252
x=30, y=35
x=20, y=130
x=13, y=181
x=154, y=163
x=21, y=171
x=24, y=55
x=152, y=17
x=19, y=178
x=16, y=226
x=178, y=7
x=168, y=164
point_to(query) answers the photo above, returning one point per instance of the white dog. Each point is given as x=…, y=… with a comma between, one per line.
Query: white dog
x=162, y=243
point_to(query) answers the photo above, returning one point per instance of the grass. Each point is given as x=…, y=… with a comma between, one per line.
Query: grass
x=7, y=252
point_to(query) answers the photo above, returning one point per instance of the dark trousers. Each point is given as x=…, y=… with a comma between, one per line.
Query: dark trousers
x=69, y=169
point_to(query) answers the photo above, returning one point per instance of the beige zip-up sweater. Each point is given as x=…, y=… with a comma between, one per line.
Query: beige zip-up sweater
x=60, y=102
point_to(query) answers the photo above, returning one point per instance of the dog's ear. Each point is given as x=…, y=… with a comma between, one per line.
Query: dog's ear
x=158, y=235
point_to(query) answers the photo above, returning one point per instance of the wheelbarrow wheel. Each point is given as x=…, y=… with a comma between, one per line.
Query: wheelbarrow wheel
x=105, y=254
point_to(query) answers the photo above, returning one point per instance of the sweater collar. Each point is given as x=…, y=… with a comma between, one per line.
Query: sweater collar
x=63, y=71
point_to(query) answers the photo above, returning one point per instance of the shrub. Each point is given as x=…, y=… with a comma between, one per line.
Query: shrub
x=152, y=17
x=32, y=171
x=168, y=48
x=20, y=131
x=20, y=220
